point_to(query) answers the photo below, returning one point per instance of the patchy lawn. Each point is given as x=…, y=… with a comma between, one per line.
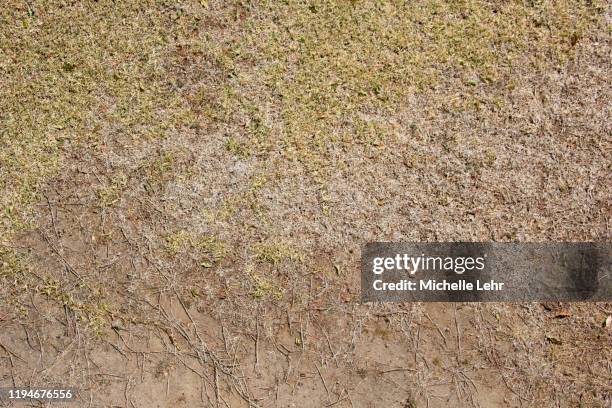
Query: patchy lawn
x=187, y=186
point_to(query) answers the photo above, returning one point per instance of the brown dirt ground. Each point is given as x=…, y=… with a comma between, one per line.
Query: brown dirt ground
x=184, y=270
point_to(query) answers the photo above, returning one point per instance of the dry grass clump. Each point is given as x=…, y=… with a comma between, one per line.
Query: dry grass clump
x=332, y=73
x=70, y=74
x=275, y=253
x=265, y=288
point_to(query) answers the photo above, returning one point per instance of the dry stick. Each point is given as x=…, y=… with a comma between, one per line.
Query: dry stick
x=125, y=392
x=256, y=343
x=23, y=326
x=307, y=323
x=276, y=394
x=284, y=351
x=469, y=380
x=288, y=320
x=224, y=339
x=216, y=363
x=142, y=363
x=474, y=404
x=195, y=327
x=217, y=393
x=457, y=387
x=286, y=379
x=68, y=320
x=167, y=385
x=512, y=390
x=331, y=350
x=301, y=334
x=418, y=341
x=42, y=352
x=394, y=370
x=193, y=370
x=457, y=328
x=180, y=330
x=88, y=378
x=203, y=390
x=348, y=393
x=52, y=216
x=124, y=342
x=201, y=375
x=118, y=349
x=437, y=328
x=11, y=353
x=126, y=237
x=397, y=312
x=246, y=391
x=15, y=246
x=340, y=399
x=67, y=265
x=322, y=379
x=235, y=356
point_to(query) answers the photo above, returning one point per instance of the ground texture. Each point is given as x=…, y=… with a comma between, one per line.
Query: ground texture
x=186, y=187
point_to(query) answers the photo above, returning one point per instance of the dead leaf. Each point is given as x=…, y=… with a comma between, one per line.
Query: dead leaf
x=562, y=315
x=337, y=269
x=607, y=322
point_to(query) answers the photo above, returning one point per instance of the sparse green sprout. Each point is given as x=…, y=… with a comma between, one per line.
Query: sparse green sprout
x=165, y=163
x=206, y=101
x=177, y=242
x=264, y=289
x=490, y=157
x=160, y=171
x=258, y=181
x=236, y=148
x=68, y=67
x=276, y=253
x=98, y=324
x=11, y=263
x=214, y=248
x=224, y=212
x=111, y=194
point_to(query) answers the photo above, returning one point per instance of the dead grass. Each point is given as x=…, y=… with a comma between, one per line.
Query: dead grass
x=332, y=73
x=233, y=156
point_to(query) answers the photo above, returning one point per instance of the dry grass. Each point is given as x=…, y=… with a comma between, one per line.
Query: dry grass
x=233, y=157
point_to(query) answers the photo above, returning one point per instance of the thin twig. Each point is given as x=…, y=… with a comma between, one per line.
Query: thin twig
x=256, y=343
x=437, y=328
x=457, y=329
x=322, y=379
